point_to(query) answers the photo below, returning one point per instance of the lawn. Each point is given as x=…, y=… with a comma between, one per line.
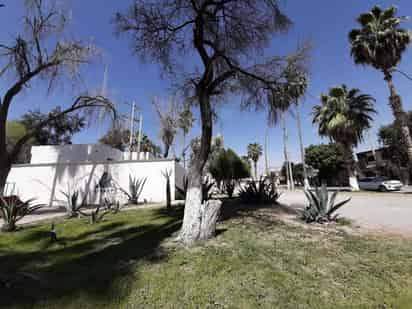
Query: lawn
x=130, y=261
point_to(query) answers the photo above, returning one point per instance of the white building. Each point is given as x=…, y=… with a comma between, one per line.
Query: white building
x=57, y=169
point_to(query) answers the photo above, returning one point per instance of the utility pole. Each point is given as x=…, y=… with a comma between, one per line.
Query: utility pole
x=132, y=130
x=139, y=137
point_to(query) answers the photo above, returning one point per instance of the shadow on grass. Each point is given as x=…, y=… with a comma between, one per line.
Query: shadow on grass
x=91, y=267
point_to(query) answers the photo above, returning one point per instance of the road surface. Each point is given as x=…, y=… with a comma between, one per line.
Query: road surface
x=386, y=212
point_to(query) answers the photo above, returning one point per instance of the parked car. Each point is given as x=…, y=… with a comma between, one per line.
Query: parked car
x=382, y=184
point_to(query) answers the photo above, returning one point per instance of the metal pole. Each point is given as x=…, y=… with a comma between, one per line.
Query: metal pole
x=131, y=130
x=139, y=138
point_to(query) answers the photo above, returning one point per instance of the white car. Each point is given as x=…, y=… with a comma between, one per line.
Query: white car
x=382, y=184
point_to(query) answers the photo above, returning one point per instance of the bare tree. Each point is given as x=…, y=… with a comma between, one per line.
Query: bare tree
x=41, y=53
x=228, y=36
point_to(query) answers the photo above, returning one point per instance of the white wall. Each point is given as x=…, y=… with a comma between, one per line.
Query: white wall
x=74, y=153
x=46, y=181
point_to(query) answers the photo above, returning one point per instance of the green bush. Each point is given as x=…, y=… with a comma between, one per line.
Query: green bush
x=13, y=209
x=259, y=192
x=321, y=207
x=227, y=168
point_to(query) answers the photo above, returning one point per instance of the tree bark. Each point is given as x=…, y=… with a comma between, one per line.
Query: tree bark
x=210, y=214
x=196, y=217
x=350, y=167
x=5, y=167
x=255, y=167
x=302, y=149
x=395, y=102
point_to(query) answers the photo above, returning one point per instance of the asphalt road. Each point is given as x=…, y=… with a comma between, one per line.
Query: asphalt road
x=386, y=212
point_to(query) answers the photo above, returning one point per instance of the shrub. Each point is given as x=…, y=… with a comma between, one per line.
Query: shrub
x=136, y=186
x=259, y=192
x=321, y=207
x=227, y=168
x=13, y=209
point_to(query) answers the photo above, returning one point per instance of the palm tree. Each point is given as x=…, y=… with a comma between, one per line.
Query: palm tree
x=185, y=123
x=168, y=123
x=380, y=43
x=343, y=116
x=296, y=88
x=254, y=151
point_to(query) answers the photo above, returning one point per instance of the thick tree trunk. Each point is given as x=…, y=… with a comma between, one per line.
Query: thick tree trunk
x=350, y=167
x=210, y=214
x=255, y=167
x=302, y=149
x=198, y=218
x=5, y=166
x=401, y=117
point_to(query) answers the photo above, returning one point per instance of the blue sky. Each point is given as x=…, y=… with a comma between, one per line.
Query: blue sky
x=325, y=23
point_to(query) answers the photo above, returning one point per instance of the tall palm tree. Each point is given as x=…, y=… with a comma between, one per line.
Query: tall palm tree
x=297, y=84
x=344, y=115
x=380, y=43
x=185, y=123
x=254, y=151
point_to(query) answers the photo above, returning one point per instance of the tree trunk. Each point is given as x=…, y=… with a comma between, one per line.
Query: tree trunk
x=210, y=214
x=350, y=167
x=168, y=194
x=255, y=167
x=5, y=166
x=401, y=117
x=285, y=152
x=197, y=217
x=184, y=151
x=302, y=149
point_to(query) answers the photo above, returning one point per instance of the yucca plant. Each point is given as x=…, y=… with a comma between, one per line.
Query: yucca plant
x=259, y=192
x=136, y=186
x=72, y=203
x=321, y=206
x=13, y=209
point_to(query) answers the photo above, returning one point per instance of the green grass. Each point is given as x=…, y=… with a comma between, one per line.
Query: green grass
x=128, y=261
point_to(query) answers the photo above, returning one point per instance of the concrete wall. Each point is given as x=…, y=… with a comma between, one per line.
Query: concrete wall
x=74, y=153
x=46, y=181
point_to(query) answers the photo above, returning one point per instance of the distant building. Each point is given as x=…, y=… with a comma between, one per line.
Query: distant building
x=370, y=162
x=380, y=163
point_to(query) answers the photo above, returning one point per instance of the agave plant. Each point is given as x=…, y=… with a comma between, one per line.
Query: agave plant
x=259, y=192
x=321, y=206
x=136, y=186
x=72, y=203
x=12, y=210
